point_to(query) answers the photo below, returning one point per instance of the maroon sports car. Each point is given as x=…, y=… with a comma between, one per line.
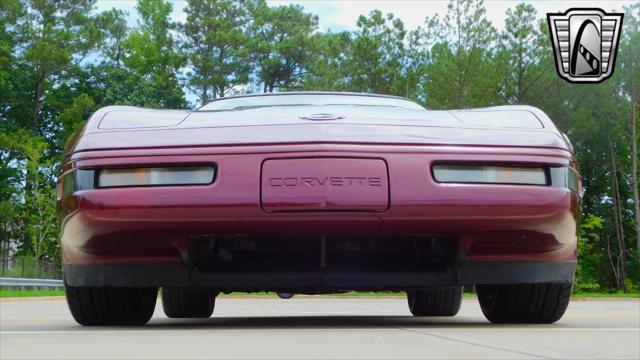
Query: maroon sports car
x=317, y=193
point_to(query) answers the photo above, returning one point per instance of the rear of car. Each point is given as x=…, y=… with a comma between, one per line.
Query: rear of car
x=318, y=193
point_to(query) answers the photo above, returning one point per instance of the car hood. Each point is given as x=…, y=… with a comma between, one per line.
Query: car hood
x=128, y=127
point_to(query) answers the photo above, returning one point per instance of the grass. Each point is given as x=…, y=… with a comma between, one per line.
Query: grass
x=29, y=293
x=39, y=293
x=606, y=295
x=466, y=295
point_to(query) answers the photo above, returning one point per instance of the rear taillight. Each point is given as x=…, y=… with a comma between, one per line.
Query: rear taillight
x=490, y=174
x=75, y=180
x=156, y=176
x=564, y=177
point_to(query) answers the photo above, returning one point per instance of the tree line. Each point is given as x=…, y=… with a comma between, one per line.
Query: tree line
x=61, y=59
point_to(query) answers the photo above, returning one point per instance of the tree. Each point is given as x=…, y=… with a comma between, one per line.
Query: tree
x=280, y=43
x=115, y=31
x=151, y=55
x=36, y=212
x=74, y=117
x=629, y=68
x=327, y=68
x=591, y=259
x=55, y=35
x=215, y=41
x=10, y=182
x=377, y=55
x=460, y=72
x=138, y=66
x=10, y=11
x=523, y=57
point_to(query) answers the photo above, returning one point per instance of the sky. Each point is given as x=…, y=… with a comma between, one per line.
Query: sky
x=339, y=15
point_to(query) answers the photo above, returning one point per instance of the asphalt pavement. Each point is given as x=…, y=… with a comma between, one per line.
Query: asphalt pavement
x=321, y=328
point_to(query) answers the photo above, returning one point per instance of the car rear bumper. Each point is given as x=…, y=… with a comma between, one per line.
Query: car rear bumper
x=484, y=233
x=177, y=275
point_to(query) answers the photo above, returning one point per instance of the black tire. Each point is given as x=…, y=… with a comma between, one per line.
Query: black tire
x=111, y=305
x=186, y=303
x=435, y=302
x=524, y=303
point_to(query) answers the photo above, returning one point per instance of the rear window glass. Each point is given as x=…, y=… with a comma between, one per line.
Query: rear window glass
x=247, y=102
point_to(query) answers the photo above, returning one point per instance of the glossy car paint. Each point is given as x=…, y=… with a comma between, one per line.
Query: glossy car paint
x=503, y=126
x=151, y=225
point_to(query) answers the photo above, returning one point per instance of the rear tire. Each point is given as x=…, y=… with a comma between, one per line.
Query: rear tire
x=111, y=305
x=435, y=302
x=186, y=303
x=542, y=303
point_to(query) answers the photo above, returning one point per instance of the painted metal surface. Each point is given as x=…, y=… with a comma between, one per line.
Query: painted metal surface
x=130, y=127
x=256, y=150
x=144, y=224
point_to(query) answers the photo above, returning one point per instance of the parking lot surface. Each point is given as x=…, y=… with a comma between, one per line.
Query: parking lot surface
x=321, y=328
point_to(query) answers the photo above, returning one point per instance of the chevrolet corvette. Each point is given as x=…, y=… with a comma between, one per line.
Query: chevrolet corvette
x=314, y=193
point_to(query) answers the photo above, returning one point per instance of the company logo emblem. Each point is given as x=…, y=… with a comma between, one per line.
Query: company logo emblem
x=585, y=42
x=322, y=116
x=325, y=181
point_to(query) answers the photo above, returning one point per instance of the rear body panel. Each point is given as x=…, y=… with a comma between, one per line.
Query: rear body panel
x=477, y=223
x=126, y=127
x=315, y=206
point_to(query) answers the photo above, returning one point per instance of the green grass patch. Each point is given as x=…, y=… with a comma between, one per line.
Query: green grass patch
x=606, y=295
x=30, y=293
x=466, y=295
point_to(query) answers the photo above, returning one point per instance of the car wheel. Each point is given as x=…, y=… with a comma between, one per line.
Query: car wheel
x=435, y=302
x=524, y=303
x=111, y=305
x=187, y=303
